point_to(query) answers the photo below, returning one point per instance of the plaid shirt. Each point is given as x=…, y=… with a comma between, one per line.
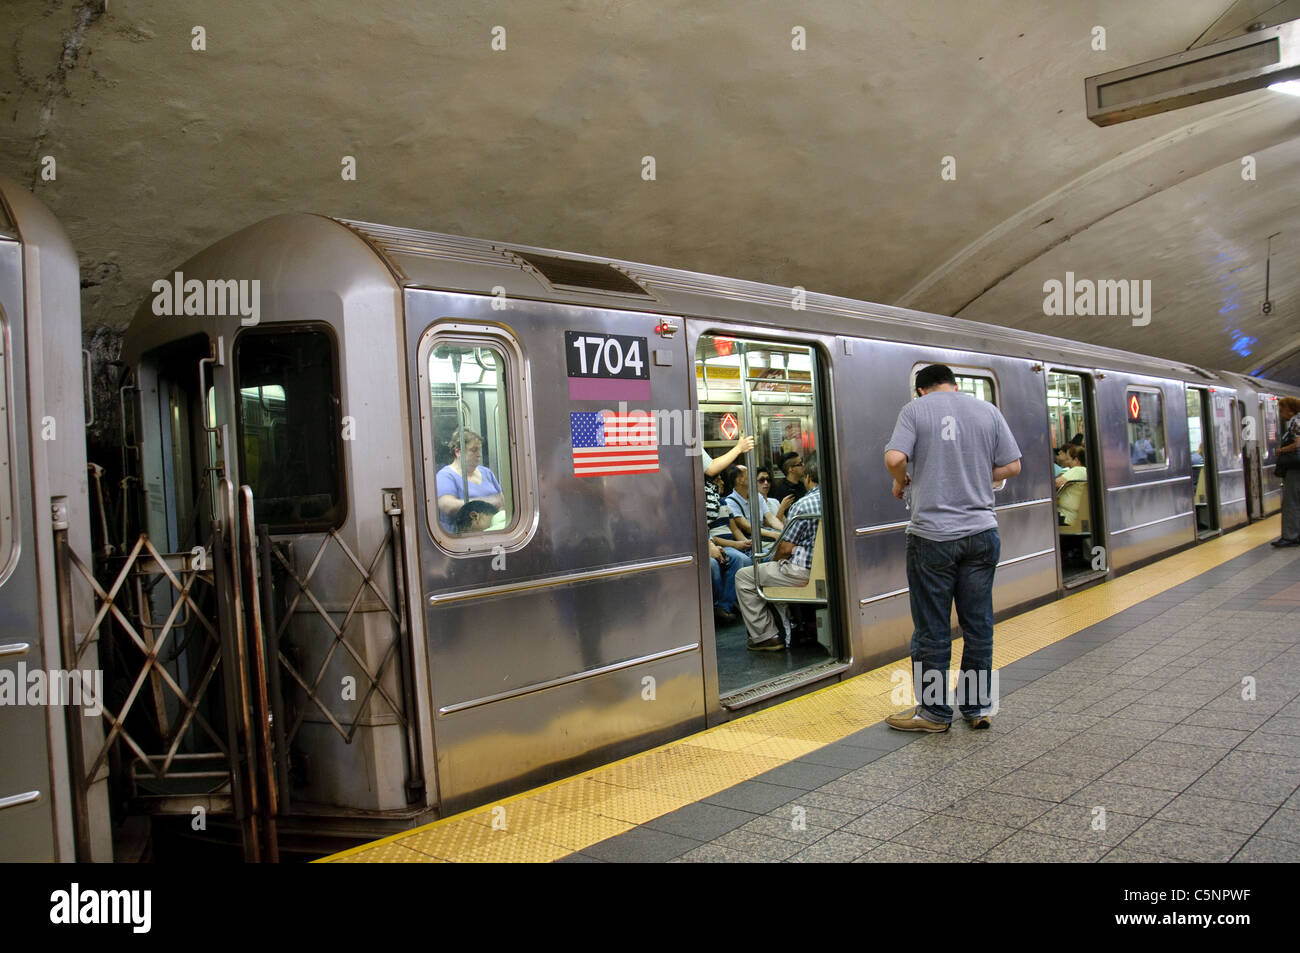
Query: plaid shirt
x=804, y=533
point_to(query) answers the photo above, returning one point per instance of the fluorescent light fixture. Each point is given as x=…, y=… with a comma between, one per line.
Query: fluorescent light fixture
x=1256, y=60
x=1291, y=87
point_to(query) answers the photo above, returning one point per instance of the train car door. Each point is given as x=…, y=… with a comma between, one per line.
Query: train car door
x=1248, y=428
x=1201, y=442
x=771, y=391
x=1077, y=476
x=1270, y=485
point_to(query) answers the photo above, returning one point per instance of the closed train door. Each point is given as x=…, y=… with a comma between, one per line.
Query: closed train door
x=771, y=549
x=557, y=539
x=1077, y=477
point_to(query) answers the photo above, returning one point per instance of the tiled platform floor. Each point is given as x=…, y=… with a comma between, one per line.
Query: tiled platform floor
x=1167, y=732
x=1124, y=735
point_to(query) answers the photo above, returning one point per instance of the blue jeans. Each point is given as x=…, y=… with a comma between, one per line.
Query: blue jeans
x=724, y=580
x=939, y=573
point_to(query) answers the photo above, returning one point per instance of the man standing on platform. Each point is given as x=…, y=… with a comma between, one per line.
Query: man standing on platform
x=958, y=446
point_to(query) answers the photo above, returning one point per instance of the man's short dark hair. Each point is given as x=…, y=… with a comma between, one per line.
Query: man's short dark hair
x=466, y=513
x=933, y=376
x=787, y=457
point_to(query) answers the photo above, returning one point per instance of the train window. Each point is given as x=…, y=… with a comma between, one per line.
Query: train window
x=290, y=429
x=1066, y=411
x=476, y=493
x=977, y=382
x=1146, y=428
x=1270, y=429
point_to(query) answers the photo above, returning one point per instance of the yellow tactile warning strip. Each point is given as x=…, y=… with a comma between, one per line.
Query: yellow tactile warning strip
x=566, y=816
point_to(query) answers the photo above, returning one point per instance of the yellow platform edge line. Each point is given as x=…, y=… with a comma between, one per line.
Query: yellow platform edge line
x=866, y=696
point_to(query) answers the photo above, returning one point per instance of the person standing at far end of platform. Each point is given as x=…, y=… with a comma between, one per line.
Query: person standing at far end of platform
x=1288, y=409
x=958, y=447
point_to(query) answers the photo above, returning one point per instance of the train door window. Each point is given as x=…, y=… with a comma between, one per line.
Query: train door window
x=978, y=382
x=1270, y=445
x=1146, y=428
x=1076, y=493
x=1200, y=440
x=476, y=485
x=289, y=446
x=770, y=391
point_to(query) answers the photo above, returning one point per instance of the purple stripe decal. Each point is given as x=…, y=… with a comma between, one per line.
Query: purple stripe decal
x=605, y=388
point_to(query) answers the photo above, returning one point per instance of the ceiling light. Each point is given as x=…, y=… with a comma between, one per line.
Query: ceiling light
x=1290, y=87
x=1269, y=57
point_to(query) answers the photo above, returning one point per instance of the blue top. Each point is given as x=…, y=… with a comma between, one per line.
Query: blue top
x=450, y=483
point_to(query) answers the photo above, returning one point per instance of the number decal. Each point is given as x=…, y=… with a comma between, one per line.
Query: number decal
x=633, y=359
x=609, y=356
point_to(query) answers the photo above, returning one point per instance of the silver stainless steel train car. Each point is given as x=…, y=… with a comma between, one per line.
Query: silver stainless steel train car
x=421, y=518
x=43, y=503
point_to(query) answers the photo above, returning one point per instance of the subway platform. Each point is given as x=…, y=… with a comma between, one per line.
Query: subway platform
x=1155, y=718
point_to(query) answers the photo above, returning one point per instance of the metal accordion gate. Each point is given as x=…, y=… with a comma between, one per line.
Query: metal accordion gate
x=203, y=697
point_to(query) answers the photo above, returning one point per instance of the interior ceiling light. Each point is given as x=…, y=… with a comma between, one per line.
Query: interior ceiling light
x=1290, y=87
x=1265, y=58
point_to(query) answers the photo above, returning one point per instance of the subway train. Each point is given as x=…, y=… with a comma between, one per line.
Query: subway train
x=411, y=522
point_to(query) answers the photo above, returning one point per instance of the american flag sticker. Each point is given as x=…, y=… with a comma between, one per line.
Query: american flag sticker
x=609, y=444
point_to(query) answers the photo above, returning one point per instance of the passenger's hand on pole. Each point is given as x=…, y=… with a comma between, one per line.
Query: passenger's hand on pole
x=744, y=444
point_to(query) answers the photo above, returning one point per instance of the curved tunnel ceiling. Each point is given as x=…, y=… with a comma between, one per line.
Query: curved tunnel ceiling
x=821, y=167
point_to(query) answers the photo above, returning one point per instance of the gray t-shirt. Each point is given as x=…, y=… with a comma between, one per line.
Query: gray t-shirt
x=952, y=441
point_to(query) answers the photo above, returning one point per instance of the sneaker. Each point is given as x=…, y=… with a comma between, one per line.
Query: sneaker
x=979, y=722
x=775, y=644
x=913, y=720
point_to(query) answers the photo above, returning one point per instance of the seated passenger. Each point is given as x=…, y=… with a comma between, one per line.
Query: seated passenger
x=737, y=478
x=1059, y=464
x=1144, y=451
x=793, y=467
x=790, y=565
x=727, y=556
x=452, y=480
x=475, y=517
x=775, y=507
x=1072, y=485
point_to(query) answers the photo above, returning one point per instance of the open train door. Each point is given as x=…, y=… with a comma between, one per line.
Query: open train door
x=168, y=618
x=1080, y=523
x=773, y=391
x=1201, y=440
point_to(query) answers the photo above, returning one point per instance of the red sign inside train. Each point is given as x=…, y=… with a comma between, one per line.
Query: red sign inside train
x=1134, y=407
x=730, y=427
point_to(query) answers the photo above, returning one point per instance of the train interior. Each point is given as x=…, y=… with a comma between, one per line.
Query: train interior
x=1074, y=462
x=770, y=391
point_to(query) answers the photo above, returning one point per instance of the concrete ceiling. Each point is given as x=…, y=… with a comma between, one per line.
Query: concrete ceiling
x=819, y=168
